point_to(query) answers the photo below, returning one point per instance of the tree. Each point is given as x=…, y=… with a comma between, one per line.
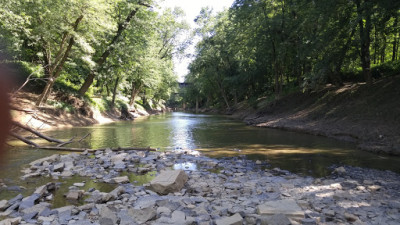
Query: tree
x=122, y=26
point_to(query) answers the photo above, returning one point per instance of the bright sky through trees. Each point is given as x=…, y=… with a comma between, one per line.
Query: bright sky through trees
x=192, y=9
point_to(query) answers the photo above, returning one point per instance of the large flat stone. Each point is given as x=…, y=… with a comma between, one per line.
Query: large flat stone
x=287, y=207
x=232, y=220
x=121, y=180
x=169, y=181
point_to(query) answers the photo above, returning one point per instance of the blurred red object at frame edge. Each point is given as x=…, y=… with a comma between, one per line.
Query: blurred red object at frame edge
x=5, y=117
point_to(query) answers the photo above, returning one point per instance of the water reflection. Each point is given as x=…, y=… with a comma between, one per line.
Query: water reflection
x=185, y=166
x=181, y=132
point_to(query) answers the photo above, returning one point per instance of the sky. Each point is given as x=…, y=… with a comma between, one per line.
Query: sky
x=192, y=9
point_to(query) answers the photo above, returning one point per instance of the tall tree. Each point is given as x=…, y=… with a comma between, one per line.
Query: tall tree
x=122, y=26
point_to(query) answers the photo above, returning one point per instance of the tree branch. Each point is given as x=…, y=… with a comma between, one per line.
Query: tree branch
x=36, y=133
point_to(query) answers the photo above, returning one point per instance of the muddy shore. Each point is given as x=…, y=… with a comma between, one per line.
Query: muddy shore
x=367, y=116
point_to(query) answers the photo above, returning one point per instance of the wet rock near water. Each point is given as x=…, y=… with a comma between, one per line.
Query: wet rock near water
x=219, y=191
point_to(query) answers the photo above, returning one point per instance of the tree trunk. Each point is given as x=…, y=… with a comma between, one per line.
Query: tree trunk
x=336, y=77
x=114, y=92
x=56, y=67
x=197, y=105
x=365, y=39
x=395, y=38
x=134, y=93
x=375, y=46
x=383, y=50
x=111, y=46
x=221, y=88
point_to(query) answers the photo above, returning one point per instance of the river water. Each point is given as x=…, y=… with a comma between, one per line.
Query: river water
x=214, y=136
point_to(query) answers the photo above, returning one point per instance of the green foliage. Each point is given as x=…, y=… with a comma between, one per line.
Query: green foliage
x=61, y=105
x=261, y=48
x=386, y=69
x=64, y=41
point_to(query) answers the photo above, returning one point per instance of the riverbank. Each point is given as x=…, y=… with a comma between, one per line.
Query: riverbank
x=49, y=117
x=365, y=115
x=217, y=191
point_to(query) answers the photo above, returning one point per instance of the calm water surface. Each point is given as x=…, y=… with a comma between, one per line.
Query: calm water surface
x=215, y=136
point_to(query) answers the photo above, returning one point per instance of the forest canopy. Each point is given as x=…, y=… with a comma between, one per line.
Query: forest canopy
x=261, y=48
x=91, y=48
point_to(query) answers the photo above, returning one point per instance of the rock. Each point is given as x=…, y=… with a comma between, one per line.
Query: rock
x=350, y=217
x=169, y=181
x=329, y=212
x=59, y=167
x=119, y=166
x=108, y=217
x=178, y=217
x=50, y=159
x=117, y=192
x=15, y=199
x=121, y=180
x=164, y=211
x=29, y=216
x=14, y=221
x=79, y=184
x=287, y=207
x=28, y=201
x=41, y=190
x=232, y=220
x=143, y=215
x=74, y=195
x=38, y=209
x=46, y=219
x=119, y=157
x=4, y=204
x=374, y=188
x=340, y=170
x=309, y=221
x=64, y=214
x=36, y=174
x=67, y=174
x=278, y=219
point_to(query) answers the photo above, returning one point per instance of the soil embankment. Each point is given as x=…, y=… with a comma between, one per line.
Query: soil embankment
x=49, y=117
x=366, y=115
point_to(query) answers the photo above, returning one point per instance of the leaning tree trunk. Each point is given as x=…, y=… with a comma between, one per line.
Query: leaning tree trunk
x=134, y=93
x=56, y=67
x=111, y=46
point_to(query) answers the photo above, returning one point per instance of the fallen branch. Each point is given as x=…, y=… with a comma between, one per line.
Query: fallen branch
x=22, y=110
x=84, y=137
x=67, y=142
x=93, y=150
x=36, y=133
x=24, y=140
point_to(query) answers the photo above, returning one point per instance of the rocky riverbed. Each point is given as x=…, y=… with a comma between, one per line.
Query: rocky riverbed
x=209, y=191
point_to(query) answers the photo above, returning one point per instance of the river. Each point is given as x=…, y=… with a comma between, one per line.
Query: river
x=212, y=135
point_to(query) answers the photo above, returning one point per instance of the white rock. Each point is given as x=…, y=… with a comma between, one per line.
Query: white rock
x=121, y=180
x=169, y=181
x=287, y=207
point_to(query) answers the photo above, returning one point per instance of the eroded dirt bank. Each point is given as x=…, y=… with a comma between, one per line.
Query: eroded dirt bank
x=366, y=115
x=50, y=117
